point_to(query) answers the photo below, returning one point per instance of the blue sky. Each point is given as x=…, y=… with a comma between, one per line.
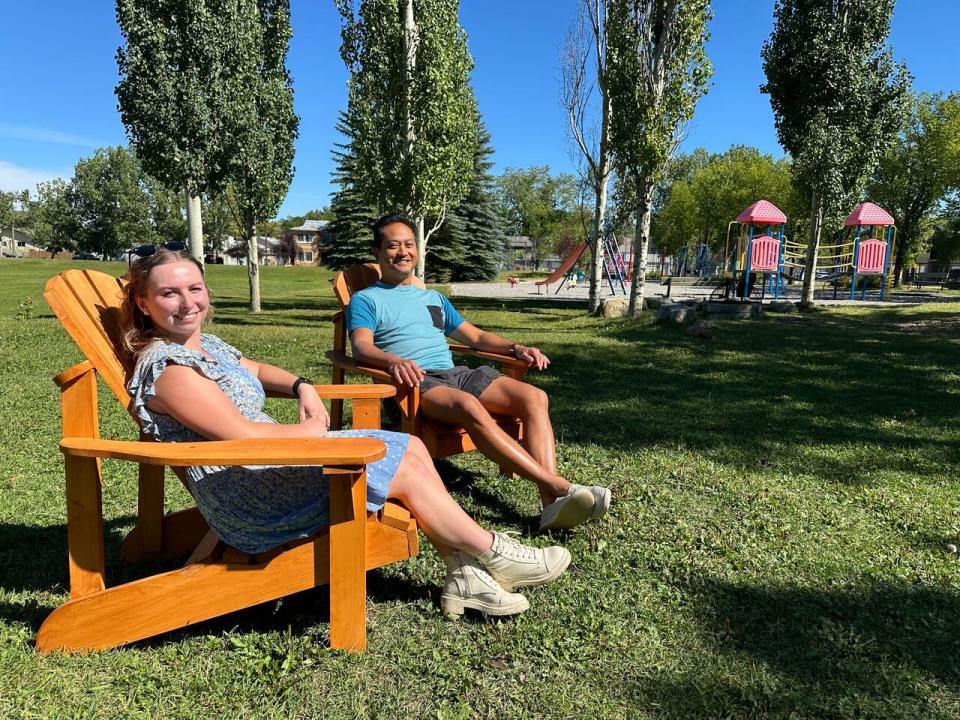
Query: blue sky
x=58, y=105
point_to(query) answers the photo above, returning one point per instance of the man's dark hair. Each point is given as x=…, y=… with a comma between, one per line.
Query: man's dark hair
x=380, y=225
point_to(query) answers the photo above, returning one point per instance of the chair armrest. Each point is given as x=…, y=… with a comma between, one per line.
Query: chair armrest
x=252, y=451
x=348, y=363
x=347, y=392
x=498, y=357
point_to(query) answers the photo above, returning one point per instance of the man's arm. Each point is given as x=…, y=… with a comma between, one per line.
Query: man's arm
x=403, y=371
x=486, y=341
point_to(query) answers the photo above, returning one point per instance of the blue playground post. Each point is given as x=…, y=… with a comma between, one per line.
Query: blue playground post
x=746, y=274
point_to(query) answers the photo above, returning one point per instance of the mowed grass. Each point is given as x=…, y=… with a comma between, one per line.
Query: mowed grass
x=784, y=495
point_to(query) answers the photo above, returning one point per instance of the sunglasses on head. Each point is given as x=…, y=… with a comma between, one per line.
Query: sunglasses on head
x=145, y=251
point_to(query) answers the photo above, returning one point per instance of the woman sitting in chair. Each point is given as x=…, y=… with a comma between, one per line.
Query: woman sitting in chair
x=189, y=386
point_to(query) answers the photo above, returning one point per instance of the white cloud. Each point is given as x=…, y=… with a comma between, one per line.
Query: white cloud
x=14, y=178
x=23, y=132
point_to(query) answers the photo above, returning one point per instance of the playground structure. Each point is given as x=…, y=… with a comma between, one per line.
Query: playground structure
x=614, y=268
x=755, y=249
x=863, y=250
x=759, y=246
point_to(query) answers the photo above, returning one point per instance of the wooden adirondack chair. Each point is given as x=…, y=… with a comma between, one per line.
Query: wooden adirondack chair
x=216, y=579
x=441, y=440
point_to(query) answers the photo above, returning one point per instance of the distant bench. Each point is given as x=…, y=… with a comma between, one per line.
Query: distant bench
x=920, y=279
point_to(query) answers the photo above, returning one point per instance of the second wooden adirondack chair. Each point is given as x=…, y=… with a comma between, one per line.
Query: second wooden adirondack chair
x=216, y=579
x=441, y=440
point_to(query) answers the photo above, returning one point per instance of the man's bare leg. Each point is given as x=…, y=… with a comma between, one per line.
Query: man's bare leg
x=506, y=396
x=457, y=407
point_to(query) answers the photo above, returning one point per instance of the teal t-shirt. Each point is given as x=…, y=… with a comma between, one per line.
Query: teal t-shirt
x=407, y=321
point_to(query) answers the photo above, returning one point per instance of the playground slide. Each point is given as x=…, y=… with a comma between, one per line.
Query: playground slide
x=565, y=266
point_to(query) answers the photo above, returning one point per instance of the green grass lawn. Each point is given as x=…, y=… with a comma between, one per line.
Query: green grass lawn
x=783, y=496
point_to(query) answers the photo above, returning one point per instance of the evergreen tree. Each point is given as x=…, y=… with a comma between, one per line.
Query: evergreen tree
x=477, y=220
x=354, y=215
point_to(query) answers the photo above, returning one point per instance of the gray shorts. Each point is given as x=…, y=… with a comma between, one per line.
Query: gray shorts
x=461, y=377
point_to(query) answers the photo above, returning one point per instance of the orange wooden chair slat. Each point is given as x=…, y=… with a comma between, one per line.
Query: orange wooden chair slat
x=217, y=579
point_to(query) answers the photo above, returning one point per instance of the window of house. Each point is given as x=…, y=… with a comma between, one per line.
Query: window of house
x=309, y=257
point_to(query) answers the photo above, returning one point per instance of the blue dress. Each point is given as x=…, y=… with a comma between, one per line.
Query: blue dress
x=252, y=508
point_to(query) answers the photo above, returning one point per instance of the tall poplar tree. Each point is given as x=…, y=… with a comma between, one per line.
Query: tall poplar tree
x=261, y=148
x=179, y=93
x=410, y=105
x=657, y=69
x=837, y=99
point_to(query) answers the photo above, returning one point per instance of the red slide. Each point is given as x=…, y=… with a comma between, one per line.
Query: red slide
x=565, y=266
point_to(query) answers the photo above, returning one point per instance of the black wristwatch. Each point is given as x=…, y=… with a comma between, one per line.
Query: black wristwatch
x=297, y=383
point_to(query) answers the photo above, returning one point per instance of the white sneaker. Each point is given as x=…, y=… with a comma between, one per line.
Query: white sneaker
x=568, y=511
x=601, y=499
x=513, y=564
x=468, y=585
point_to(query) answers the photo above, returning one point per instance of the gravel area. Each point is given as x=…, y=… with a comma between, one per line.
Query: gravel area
x=528, y=291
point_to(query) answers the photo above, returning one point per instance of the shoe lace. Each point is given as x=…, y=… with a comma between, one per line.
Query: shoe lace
x=511, y=548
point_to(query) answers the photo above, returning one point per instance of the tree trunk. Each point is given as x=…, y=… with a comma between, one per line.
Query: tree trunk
x=641, y=244
x=900, y=259
x=194, y=227
x=421, y=248
x=813, y=250
x=597, y=246
x=253, y=265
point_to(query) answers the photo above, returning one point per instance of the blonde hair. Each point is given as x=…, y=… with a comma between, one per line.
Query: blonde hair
x=137, y=329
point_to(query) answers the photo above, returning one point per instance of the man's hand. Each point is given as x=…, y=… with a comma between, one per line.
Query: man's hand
x=406, y=372
x=532, y=356
x=311, y=406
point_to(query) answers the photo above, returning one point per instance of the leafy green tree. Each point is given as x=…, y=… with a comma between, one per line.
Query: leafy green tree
x=410, y=105
x=54, y=224
x=261, y=159
x=657, y=69
x=15, y=210
x=110, y=202
x=537, y=204
x=182, y=90
x=837, y=100
x=919, y=170
x=945, y=243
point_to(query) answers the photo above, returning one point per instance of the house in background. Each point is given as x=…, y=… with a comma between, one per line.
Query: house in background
x=311, y=238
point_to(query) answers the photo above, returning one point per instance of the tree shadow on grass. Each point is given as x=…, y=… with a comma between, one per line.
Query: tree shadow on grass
x=464, y=482
x=827, y=649
x=756, y=389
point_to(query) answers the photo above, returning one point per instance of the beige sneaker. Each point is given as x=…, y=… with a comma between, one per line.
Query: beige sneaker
x=513, y=564
x=568, y=511
x=468, y=585
x=601, y=499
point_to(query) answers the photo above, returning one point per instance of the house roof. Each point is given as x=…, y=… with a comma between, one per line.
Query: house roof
x=312, y=225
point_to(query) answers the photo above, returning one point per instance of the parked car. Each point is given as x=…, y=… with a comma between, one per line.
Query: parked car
x=85, y=256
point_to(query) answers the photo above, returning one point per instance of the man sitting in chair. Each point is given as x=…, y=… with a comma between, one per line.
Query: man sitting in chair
x=402, y=328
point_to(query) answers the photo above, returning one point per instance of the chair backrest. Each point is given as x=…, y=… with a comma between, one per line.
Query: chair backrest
x=356, y=278
x=88, y=303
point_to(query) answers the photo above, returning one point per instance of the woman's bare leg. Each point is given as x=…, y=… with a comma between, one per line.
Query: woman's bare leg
x=418, y=486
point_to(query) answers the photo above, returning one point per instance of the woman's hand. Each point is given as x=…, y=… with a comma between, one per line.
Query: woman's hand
x=312, y=407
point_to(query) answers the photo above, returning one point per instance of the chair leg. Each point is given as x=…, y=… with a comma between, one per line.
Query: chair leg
x=84, y=526
x=347, y=560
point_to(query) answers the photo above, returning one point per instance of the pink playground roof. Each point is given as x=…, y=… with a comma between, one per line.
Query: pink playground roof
x=762, y=212
x=868, y=214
